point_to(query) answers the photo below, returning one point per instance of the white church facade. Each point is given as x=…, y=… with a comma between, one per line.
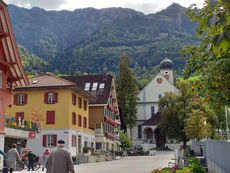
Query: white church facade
x=148, y=116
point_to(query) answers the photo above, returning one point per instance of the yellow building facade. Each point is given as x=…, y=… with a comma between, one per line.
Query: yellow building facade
x=59, y=108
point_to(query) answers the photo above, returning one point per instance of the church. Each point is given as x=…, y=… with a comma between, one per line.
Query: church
x=146, y=133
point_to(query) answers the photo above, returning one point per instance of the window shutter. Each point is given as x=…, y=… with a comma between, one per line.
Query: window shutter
x=73, y=118
x=55, y=140
x=44, y=141
x=46, y=98
x=72, y=140
x=85, y=122
x=15, y=99
x=50, y=117
x=85, y=105
x=74, y=99
x=79, y=102
x=79, y=120
x=55, y=97
x=25, y=98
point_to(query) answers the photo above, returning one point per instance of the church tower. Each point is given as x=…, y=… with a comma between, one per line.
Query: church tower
x=166, y=69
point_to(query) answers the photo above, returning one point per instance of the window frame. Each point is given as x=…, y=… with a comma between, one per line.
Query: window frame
x=94, y=87
x=51, y=98
x=87, y=86
x=20, y=99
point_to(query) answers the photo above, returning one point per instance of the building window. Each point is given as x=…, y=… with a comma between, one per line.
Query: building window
x=139, y=131
x=85, y=105
x=159, y=96
x=74, y=140
x=94, y=87
x=74, y=118
x=87, y=86
x=101, y=86
x=49, y=140
x=51, y=98
x=0, y=79
x=79, y=120
x=50, y=117
x=85, y=122
x=99, y=146
x=79, y=102
x=21, y=99
x=74, y=99
x=152, y=110
x=19, y=117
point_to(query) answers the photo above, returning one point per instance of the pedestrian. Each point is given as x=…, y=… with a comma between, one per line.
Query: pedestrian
x=45, y=155
x=12, y=157
x=59, y=160
x=2, y=153
x=31, y=158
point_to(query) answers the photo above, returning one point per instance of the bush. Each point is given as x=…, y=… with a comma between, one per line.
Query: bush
x=86, y=149
x=195, y=165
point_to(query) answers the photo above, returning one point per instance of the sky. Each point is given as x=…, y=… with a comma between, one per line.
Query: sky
x=145, y=6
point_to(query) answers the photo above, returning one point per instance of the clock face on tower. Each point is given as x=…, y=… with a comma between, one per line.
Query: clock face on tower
x=159, y=80
x=167, y=76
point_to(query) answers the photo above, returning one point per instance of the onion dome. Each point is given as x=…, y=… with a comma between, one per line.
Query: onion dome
x=166, y=64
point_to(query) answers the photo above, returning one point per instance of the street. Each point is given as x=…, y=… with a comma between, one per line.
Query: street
x=134, y=164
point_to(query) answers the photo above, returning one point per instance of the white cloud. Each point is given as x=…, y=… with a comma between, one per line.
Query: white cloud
x=146, y=6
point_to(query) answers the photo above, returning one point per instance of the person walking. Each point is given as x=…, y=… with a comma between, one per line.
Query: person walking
x=12, y=156
x=31, y=158
x=2, y=153
x=59, y=160
x=45, y=155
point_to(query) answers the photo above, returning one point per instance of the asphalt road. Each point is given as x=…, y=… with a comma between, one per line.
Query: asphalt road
x=134, y=164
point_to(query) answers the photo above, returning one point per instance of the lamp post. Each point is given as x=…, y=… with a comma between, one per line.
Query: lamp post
x=226, y=117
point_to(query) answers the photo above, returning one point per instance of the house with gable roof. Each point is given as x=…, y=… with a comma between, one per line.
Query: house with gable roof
x=60, y=108
x=103, y=112
x=146, y=133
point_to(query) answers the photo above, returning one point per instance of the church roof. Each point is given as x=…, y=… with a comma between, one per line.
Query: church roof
x=166, y=64
x=154, y=120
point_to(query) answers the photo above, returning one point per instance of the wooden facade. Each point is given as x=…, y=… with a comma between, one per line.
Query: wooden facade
x=11, y=70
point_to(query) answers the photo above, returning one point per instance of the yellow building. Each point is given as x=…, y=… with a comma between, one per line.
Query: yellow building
x=60, y=109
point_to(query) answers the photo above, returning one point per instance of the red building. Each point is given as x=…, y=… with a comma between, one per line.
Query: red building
x=11, y=70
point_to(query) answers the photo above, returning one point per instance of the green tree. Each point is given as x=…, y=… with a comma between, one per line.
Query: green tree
x=126, y=93
x=177, y=108
x=196, y=126
x=210, y=59
x=125, y=141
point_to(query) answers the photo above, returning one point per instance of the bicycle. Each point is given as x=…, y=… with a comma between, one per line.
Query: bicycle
x=25, y=165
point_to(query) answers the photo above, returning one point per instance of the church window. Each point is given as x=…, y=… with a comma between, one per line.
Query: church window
x=139, y=131
x=159, y=96
x=152, y=110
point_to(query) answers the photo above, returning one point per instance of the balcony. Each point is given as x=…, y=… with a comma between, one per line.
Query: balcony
x=99, y=130
x=11, y=122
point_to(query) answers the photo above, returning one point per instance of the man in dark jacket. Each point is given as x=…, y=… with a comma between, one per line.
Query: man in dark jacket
x=59, y=160
x=31, y=158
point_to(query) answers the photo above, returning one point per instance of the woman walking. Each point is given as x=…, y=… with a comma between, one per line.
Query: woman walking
x=46, y=153
x=12, y=157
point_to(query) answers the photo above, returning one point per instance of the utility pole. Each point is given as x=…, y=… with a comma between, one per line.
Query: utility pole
x=226, y=117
